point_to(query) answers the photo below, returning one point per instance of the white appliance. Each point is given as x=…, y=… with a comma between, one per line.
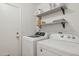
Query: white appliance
x=59, y=45
x=29, y=44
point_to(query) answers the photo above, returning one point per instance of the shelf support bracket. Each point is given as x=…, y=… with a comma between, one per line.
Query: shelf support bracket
x=63, y=24
x=63, y=10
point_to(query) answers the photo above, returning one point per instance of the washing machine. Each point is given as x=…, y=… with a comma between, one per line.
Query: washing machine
x=29, y=43
x=59, y=45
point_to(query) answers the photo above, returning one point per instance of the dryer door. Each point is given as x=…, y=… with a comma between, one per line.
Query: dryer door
x=45, y=52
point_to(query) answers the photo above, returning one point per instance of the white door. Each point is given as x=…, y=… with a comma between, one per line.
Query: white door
x=9, y=29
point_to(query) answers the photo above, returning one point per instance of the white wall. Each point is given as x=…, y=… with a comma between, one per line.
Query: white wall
x=28, y=18
x=72, y=16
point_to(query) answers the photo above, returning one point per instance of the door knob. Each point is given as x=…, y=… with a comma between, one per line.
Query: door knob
x=17, y=35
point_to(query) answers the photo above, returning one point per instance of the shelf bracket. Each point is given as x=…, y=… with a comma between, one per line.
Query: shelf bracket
x=63, y=24
x=63, y=10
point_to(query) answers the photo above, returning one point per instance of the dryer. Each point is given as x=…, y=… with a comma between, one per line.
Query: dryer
x=59, y=45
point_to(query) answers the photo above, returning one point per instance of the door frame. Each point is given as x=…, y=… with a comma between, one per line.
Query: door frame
x=20, y=23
